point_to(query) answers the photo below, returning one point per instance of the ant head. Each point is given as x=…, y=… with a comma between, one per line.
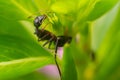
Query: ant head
x=38, y=20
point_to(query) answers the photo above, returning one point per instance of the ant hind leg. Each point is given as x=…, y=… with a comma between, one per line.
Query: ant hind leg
x=55, y=56
x=56, y=46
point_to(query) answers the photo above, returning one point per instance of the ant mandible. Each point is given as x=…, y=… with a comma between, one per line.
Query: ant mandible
x=43, y=35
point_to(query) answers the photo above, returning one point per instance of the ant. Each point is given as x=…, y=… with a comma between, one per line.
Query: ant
x=45, y=35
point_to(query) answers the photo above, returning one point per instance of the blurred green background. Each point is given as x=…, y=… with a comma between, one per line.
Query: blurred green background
x=93, y=53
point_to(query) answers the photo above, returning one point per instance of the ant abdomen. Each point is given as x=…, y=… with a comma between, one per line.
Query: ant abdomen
x=62, y=40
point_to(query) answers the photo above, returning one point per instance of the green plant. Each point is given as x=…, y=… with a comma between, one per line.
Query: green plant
x=93, y=24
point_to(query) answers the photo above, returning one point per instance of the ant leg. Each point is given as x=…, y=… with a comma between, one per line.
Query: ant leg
x=48, y=41
x=43, y=37
x=49, y=44
x=56, y=47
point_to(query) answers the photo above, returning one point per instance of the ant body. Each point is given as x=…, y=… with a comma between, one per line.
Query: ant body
x=43, y=35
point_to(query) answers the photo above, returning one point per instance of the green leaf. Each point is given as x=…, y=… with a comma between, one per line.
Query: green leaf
x=21, y=10
x=64, y=7
x=12, y=10
x=32, y=76
x=30, y=6
x=21, y=29
x=100, y=8
x=101, y=26
x=20, y=53
x=19, y=56
x=44, y=5
x=108, y=53
x=68, y=66
x=92, y=10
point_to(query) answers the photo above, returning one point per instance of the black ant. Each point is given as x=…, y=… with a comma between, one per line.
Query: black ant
x=43, y=35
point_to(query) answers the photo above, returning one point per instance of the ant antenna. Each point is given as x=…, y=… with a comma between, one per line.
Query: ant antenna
x=39, y=13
